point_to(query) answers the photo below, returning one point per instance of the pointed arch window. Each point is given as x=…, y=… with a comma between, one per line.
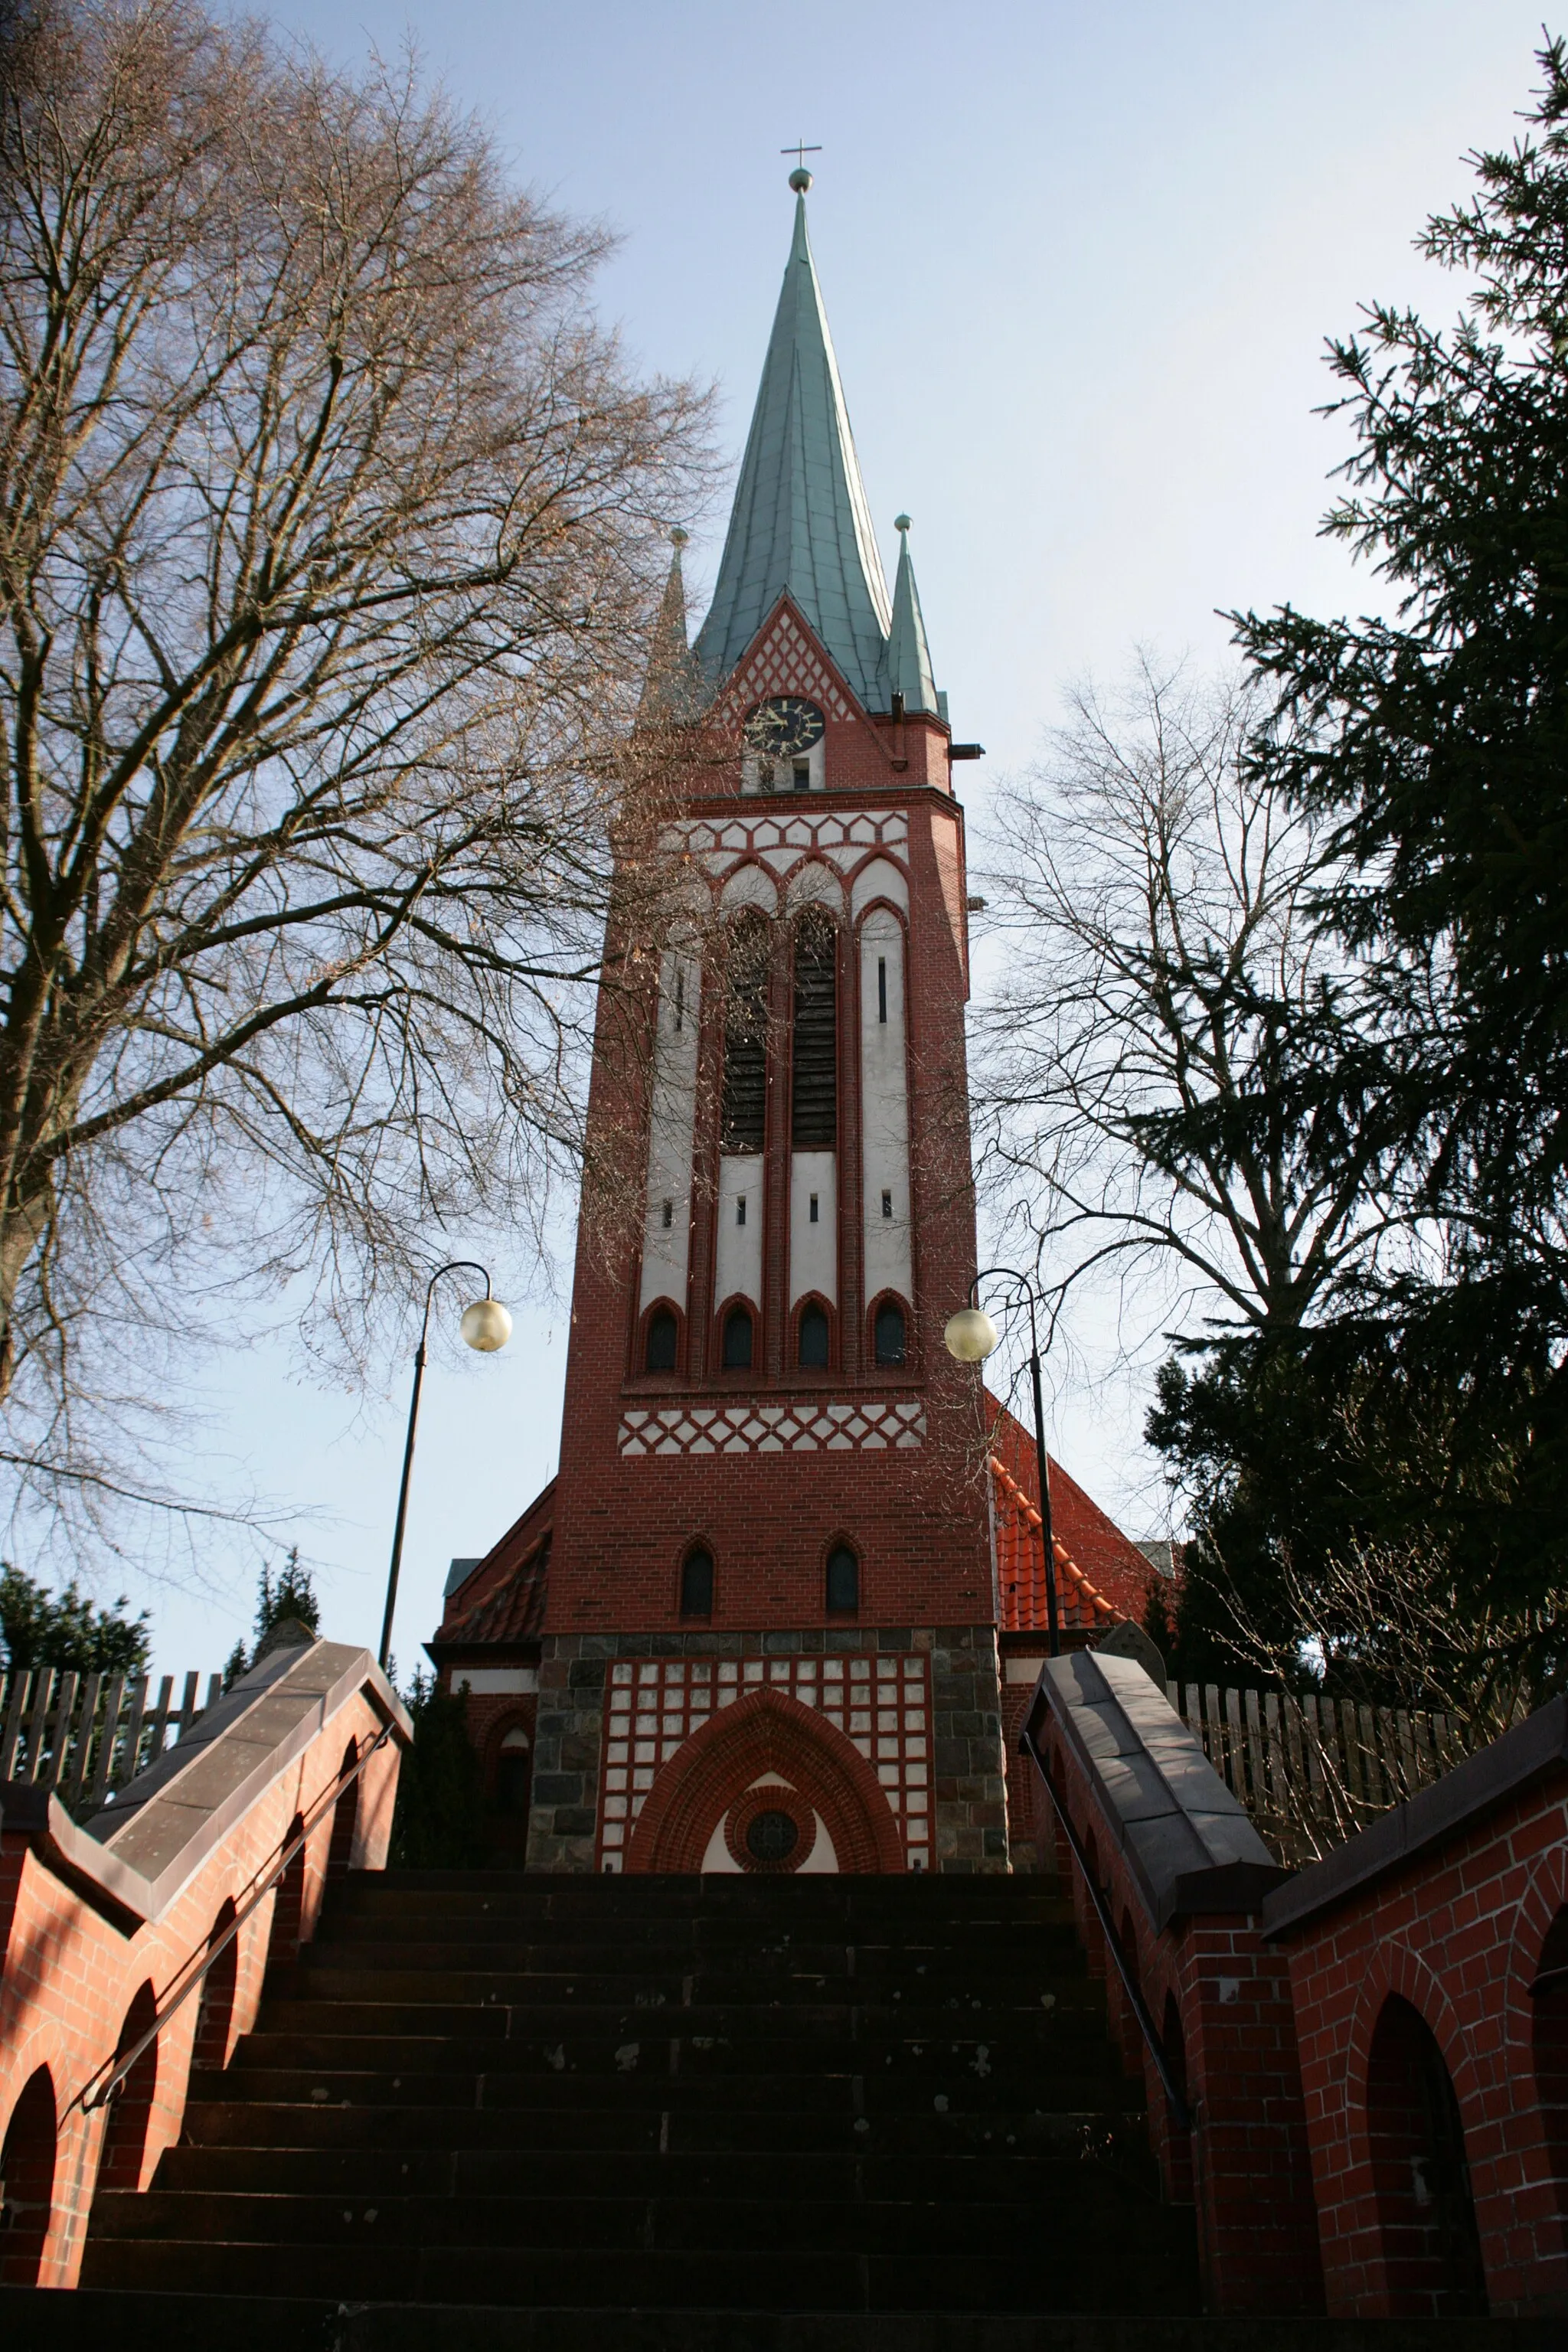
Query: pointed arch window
x=843, y=1580
x=738, y=1335
x=815, y=1335
x=514, y=1762
x=697, y=1582
x=890, y=1332
x=661, y=1341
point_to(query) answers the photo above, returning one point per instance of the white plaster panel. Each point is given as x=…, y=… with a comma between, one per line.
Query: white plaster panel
x=495, y=1681
x=813, y=1248
x=750, y=887
x=815, y=884
x=673, y=1128
x=884, y=1108
x=738, y=1272
x=881, y=879
x=823, y=1858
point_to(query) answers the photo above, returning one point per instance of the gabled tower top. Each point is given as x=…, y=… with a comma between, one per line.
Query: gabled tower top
x=801, y=524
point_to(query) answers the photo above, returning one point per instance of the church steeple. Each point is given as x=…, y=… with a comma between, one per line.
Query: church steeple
x=801, y=522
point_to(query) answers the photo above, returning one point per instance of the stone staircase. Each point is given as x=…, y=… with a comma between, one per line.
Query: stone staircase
x=637, y=2097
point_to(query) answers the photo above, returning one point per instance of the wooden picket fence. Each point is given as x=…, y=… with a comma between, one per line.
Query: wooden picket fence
x=85, y=1736
x=1311, y=1771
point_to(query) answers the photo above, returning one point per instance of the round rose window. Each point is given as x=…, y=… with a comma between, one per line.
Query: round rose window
x=771, y=1837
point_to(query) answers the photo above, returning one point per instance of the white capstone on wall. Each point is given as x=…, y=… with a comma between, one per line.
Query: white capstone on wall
x=814, y=1248
x=672, y=1130
x=884, y=1106
x=738, y=1272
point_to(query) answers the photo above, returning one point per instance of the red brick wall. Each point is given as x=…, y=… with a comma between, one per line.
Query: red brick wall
x=68, y=1980
x=1459, y=1936
x=1221, y=1998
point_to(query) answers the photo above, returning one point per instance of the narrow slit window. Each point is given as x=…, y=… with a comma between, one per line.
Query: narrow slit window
x=743, y=1107
x=881, y=987
x=802, y=775
x=741, y=1210
x=680, y=1000
x=887, y=1204
x=814, y=1114
x=667, y=1215
x=814, y=1215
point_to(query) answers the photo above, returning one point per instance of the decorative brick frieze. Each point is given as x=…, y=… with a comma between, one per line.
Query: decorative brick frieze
x=866, y=1424
x=841, y=835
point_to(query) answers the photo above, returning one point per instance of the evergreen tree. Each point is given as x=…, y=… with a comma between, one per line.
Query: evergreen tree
x=41, y=1627
x=438, y=1823
x=292, y=1595
x=1422, y=1412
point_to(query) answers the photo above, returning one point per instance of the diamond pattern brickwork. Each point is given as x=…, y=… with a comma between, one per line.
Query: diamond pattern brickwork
x=870, y=1425
x=785, y=662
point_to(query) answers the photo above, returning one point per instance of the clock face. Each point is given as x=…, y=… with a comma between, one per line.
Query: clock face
x=783, y=725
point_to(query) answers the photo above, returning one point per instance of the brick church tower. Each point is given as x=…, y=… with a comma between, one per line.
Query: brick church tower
x=760, y=1592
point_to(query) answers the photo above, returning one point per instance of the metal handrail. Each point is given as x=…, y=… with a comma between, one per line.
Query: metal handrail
x=1184, y=2117
x=95, y=2094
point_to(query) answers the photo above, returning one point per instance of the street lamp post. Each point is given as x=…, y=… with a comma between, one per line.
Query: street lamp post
x=486, y=1326
x=971, y=1335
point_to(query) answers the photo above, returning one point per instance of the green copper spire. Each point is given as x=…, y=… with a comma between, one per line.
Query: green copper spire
x=909, y=655
x=800, y=522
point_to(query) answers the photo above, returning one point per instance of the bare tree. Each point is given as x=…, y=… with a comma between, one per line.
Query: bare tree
x=1152, y=1064
x=331, y=534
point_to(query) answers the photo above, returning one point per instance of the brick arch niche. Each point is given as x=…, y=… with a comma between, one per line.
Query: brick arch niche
x=766, y=1733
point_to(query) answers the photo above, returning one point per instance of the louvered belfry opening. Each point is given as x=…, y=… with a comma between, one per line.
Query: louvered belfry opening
x=813, y=1093
x=743, y=1106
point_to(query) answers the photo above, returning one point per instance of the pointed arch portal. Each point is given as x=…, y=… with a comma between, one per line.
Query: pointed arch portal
x=765, y=1734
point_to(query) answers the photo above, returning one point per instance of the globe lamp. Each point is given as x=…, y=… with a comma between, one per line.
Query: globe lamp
x=486, y=1326
x=971, y=1335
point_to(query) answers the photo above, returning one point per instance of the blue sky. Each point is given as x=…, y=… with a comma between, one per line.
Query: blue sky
x=1079, y=262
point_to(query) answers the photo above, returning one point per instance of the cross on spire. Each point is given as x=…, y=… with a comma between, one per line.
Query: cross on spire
x=800, y=151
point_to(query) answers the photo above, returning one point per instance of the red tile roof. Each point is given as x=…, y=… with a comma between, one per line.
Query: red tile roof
x=503, y=1599
x=1102, y=1575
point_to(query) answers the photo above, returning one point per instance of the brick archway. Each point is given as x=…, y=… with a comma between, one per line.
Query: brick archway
x=766, y=1731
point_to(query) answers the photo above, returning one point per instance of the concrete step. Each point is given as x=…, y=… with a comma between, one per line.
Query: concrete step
x=1080, y=2204
x=1032, y=2062
x=1073, y=2277
x=555, y=2088
x=353, y=2005
x=35, y=2319
x=976, y=2175
x=702, y=2131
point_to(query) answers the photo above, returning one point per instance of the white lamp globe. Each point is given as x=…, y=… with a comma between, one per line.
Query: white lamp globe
x=971, y=1335
x=486, y=1326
